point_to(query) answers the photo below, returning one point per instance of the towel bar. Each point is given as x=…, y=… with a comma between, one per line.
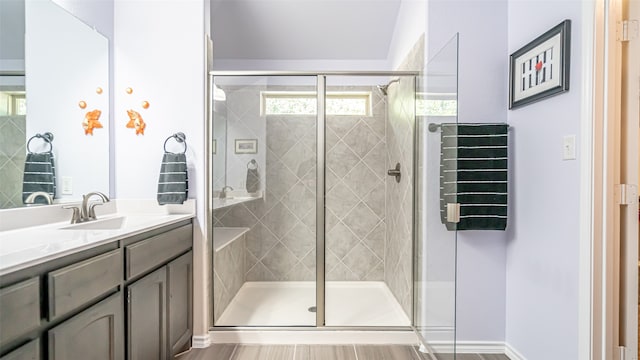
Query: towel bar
x=433, y=127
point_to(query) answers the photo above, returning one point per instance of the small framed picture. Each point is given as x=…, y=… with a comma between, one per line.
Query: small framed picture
x=246, y=146
x=214, y=146
x=540, y=69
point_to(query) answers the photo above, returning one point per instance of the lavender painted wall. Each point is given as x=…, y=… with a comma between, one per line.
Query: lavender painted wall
x=482, y=97
x=165, y=66
x=543, y=247
x=97, y=14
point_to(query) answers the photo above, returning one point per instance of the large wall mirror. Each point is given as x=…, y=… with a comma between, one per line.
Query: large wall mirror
x=54, y=78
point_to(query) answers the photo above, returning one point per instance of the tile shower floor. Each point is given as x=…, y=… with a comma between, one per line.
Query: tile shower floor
x=287, y=303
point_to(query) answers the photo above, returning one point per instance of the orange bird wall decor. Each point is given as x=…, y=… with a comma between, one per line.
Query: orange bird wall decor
x=92, y=121
x=136, y=122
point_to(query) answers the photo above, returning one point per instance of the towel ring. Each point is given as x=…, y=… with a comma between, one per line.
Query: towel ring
x=47, y=137
x=253, y=163
x=180, y=138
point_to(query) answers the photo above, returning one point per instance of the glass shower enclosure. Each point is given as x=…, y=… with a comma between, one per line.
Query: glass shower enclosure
x=320, y=184
x=436, y=243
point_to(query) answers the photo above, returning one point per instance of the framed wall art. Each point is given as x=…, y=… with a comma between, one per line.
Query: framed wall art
x=540, y=69
x=246, y=146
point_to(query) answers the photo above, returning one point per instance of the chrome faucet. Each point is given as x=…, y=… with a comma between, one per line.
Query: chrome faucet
x=31, y=199
x=223, y=192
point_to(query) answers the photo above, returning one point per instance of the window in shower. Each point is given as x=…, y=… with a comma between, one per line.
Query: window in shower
x=436, y=104
x=347, y=103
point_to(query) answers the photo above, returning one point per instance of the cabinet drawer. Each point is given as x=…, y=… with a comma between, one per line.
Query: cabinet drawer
x=78, y=284
x=29, y=351
x=149, y=253
x=19, y=310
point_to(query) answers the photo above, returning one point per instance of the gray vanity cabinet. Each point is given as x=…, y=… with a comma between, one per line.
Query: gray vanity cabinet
x=180, y=287
x=96, y=333
x=128, y=299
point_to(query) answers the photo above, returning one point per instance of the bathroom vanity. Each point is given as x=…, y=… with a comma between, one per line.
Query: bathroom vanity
x=122, y=290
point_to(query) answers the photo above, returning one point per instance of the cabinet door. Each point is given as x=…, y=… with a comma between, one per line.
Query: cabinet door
x=29, y=351
x=180, y=286
x=147, y=307
x=95, y=334
x=19, y=310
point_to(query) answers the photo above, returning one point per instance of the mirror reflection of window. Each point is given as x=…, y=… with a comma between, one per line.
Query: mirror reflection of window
x=13, y=103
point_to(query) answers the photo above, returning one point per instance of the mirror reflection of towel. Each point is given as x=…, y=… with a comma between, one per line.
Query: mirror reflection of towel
x=253, y=177
x=173, y=183
x=39, y=175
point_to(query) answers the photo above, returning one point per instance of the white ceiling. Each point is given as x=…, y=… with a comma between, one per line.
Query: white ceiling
x=303, y=29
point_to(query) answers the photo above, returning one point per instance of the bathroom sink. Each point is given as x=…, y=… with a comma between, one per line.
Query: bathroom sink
x=114, y=223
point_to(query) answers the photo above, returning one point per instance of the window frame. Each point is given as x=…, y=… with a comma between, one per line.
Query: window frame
x=356, y=95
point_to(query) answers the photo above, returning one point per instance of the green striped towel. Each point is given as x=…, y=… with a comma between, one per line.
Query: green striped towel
x=473, y=173
x=173, y=182
x=39, y=175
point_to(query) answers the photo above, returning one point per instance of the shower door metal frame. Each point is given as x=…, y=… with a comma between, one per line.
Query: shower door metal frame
x=320, y=199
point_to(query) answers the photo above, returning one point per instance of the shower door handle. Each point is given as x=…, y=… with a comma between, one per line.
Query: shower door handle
x=395, y=172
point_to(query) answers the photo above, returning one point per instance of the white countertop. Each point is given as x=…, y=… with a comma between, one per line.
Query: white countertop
x=24, y=247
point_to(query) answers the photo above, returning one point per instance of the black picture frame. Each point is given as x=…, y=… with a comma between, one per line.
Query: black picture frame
x=552, y=70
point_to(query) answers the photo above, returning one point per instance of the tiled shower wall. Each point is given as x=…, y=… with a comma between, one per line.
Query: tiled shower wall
x=400, y=139
x=281, y=243
x=228, y=275
x=12, y=154
x=355, y=202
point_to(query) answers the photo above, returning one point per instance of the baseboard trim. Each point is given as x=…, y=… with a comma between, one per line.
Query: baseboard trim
x=512, y=353
x=313, y=337
x=477, y=347
x=480, y=347
x=349, y=337
x=201, y=341
x=469, y=347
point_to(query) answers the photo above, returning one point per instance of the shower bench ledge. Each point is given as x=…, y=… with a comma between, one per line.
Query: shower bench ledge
x=223, y=236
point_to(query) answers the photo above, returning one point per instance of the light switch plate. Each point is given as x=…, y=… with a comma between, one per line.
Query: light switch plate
x=569, y=147
x=67, y=185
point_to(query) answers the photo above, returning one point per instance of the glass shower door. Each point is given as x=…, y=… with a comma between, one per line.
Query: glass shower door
x=435, y=262
x=370, y=123
x=264, y=174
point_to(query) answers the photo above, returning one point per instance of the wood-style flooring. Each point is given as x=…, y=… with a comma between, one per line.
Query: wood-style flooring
x=321, y=352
